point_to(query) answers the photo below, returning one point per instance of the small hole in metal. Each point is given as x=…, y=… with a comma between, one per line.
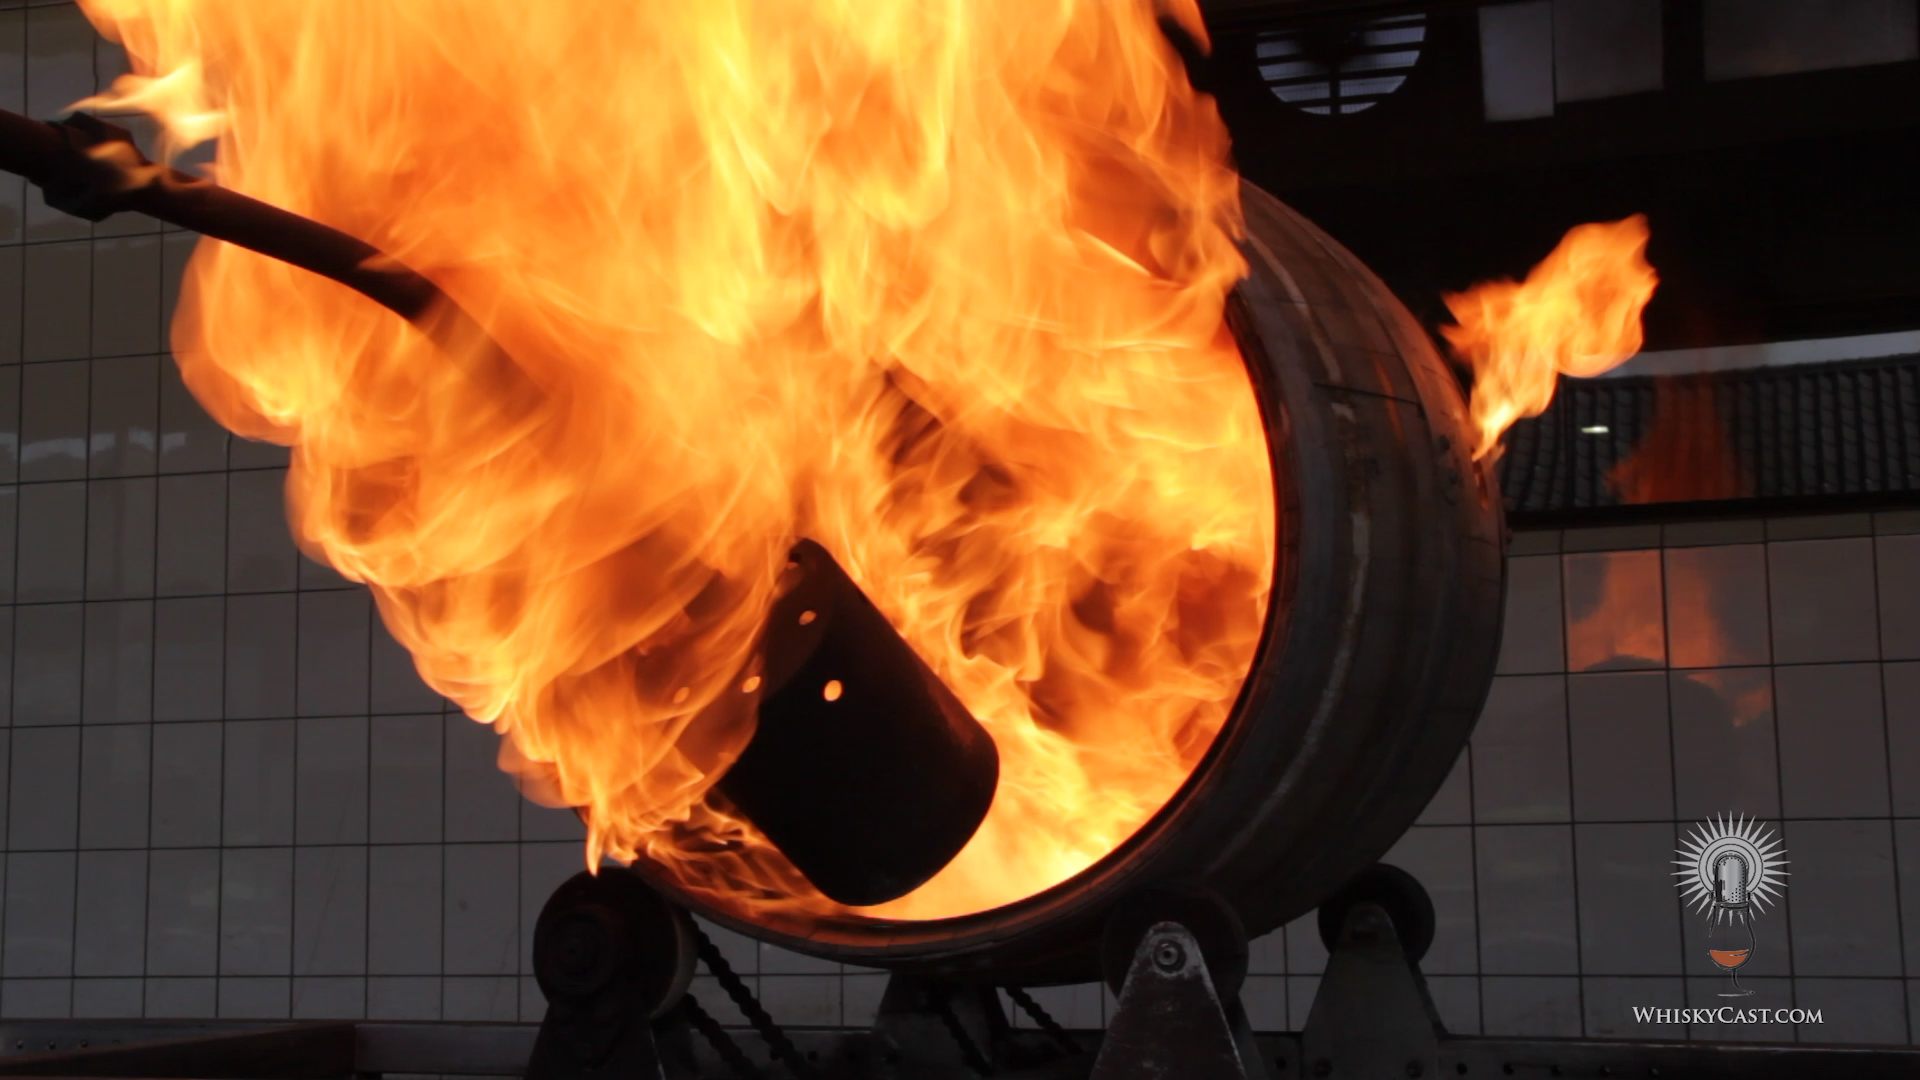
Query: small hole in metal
x=832, y=690
x=807, y=617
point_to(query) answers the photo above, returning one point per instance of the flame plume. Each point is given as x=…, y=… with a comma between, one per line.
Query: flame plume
x=1578, y=313
x=936, y=283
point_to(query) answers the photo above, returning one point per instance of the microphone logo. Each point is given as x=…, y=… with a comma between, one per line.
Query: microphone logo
x=1730, y=871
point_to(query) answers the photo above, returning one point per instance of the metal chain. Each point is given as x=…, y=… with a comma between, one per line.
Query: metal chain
x=943, y=1005
x=782, y=1047
x=717, y=1037
x=1047, y=1023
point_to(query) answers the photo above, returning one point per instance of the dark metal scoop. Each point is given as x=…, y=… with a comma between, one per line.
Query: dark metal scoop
x=865, y=770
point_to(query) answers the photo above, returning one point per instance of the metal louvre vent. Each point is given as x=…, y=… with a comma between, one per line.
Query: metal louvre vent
x=1340, y=70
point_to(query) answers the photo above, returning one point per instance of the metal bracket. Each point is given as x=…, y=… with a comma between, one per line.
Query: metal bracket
x=1372, y=1016
x=1170, y=1024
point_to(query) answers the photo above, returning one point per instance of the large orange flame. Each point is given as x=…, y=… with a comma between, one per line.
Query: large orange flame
x=937, y=283
x=1578, y=313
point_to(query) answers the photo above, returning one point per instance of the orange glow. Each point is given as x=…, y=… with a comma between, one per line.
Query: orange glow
x=1684, y=456
x=1578, y=313
x=936, y=283
x=1737, y=696
x=1614, y=618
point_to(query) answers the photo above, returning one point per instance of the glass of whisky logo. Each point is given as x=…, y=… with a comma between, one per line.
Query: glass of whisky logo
x=1729, y=929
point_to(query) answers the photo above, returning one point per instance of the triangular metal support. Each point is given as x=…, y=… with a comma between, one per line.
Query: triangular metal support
x=1372, y=1016
x=1170, y=1024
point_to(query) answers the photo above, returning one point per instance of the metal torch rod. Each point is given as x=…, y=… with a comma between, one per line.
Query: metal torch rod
x=91, y=169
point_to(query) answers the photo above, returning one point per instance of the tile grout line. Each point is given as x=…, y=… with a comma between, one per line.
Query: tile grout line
x=519, y=886
x=1651, y=976
x=86, y=509
x=1573, y=814
x=1511, y=825
x=1779, y=770
x=293, y=837
x=80, y=740
x=1473, y=855
x=220, y=861
x=153, y=667
x=1673, y=762
x=159, y=363
x=13, y=572
x=1886, y=744
x=366, y=851
x=20, y=414
x=440, y=913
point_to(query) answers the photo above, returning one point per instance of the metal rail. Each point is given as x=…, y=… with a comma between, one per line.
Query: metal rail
x=270, y=1050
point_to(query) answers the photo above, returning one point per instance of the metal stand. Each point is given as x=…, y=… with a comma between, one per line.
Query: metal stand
x=1170, y=1023
x=1373, y=1016
x=932, y=1031
x=1176, y=956
x=614, y=961
x=611, y=956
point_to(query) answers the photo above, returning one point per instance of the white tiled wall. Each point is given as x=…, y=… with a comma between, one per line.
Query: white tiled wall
x=224, y=792
x=222, y=789
x=1653, y=677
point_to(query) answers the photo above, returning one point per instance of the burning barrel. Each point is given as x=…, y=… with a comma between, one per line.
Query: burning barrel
x=1377, y=653
x=604, y=607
